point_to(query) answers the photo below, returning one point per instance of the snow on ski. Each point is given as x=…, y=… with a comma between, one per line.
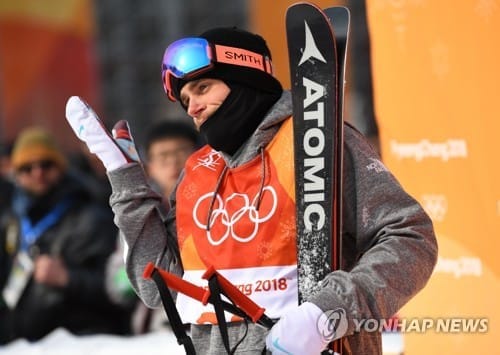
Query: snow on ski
x=313, y=73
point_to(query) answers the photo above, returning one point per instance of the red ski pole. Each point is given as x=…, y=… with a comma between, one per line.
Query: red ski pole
x=243, y=306
x=176, y=283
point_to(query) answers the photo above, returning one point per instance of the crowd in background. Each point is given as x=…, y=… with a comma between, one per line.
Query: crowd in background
x=61, y=259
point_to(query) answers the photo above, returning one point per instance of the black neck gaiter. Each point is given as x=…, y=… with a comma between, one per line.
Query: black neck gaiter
x=237, y=118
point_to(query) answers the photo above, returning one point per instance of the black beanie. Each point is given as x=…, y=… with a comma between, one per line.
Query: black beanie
x=238, y=38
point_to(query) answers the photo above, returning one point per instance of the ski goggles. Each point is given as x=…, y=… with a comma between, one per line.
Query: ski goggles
x=192, y=56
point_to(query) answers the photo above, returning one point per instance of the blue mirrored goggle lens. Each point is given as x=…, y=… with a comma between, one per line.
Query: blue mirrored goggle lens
x=187, y=56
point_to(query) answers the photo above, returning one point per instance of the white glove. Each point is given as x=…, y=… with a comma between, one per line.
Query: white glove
x=114, y=152
x=306, y=330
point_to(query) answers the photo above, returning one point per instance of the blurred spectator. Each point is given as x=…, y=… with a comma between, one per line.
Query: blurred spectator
x=54, y=244
x=168, y=144
x=5, y=166
x=6, y=189
x=6, y=186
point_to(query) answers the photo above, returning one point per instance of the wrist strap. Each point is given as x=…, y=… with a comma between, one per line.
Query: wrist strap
x=173, y=314
x=213, y=286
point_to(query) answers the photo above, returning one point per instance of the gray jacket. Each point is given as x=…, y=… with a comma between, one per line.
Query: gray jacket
x=389, y=247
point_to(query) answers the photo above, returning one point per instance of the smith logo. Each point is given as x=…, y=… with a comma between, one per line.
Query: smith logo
x=242, y=57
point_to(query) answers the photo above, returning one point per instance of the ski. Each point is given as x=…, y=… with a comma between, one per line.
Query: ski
x=317, y=61
x=313, y=73
x=339, y=17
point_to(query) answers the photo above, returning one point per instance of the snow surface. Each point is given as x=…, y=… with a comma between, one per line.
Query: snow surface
x=61, y=342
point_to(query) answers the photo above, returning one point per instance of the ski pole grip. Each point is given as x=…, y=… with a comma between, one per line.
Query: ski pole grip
x=178, y=284
x=235, y=295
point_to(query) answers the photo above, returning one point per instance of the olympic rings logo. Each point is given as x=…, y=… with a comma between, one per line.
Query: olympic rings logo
x=229, y=219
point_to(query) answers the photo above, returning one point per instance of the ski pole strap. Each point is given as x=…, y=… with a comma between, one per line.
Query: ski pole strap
x=213, y=286
x=172, y=313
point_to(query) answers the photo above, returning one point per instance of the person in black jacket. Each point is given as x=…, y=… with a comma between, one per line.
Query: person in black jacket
x=6, y=189
x=6, y=186
x=54, y=243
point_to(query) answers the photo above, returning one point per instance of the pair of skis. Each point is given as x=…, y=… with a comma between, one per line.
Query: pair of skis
x=317, y=43
x=317, y=57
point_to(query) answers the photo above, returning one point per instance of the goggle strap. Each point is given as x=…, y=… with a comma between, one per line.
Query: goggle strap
x=242, y=57
x=167, y=86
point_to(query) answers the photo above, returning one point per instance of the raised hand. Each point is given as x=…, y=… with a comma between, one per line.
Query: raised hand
x=114, y=151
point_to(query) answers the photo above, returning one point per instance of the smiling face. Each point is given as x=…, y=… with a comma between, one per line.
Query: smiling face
x=203, y=97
